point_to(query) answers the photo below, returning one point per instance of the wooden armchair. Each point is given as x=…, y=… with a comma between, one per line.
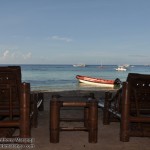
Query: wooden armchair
x=131, y=106
x=15, y=114
x=112, y=107
x=135, y=114
x=18, y=106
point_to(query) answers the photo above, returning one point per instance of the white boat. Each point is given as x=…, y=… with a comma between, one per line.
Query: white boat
x=98, y=81
x=79, y=65
x=126, y=65
x=121, y=68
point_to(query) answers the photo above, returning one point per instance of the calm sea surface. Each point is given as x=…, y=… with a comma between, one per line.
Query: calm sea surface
x=62, y=77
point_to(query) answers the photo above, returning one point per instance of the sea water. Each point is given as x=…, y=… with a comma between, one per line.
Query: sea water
x=63, y=77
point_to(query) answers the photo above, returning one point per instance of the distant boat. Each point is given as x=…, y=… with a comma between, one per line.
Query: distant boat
x=79, y=65
x=126, y=65
x=98, y=81
x=101, y=66
x=121, y=68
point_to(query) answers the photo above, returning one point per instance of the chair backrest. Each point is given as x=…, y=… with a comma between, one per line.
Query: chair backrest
x=139, y=80
x=10, y=81
x=14, y=102
x=139, y=92
x=135, y=114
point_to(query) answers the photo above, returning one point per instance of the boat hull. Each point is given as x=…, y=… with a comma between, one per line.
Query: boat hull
x=97, y=84
x=121, y=68
x=79, y=65
x=96, y=81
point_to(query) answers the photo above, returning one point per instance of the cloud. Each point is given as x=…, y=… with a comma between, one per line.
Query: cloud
x=14, y=56
x=5, y=54
x=59, y=38
x=27, y=56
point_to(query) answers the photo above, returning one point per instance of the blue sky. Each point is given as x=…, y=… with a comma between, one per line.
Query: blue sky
x=75, y=31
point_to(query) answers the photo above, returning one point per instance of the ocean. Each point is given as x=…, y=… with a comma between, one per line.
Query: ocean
x=63, y=77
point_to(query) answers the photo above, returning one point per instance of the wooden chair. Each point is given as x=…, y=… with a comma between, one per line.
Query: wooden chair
x=112, y=107
x=14, y=115
x=18, y=106
x=37, y=104
x=131, y=106
x=135, y=114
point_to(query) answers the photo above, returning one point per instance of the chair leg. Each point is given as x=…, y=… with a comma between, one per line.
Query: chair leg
x=54, y=121
x=34, y=119
x=106, y=113
x=25, y=130
x=93, y=121
x=86, y=116
x=41, y=97
x=124, y=125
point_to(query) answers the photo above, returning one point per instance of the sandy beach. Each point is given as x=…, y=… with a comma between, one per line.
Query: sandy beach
x=108, y=135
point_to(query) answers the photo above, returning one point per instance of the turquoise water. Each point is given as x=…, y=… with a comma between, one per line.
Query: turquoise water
x=62, y=77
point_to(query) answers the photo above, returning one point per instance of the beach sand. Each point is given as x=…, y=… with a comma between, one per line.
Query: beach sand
x=108, y=135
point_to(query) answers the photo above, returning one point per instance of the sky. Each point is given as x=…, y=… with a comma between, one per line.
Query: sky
x=75, y=31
